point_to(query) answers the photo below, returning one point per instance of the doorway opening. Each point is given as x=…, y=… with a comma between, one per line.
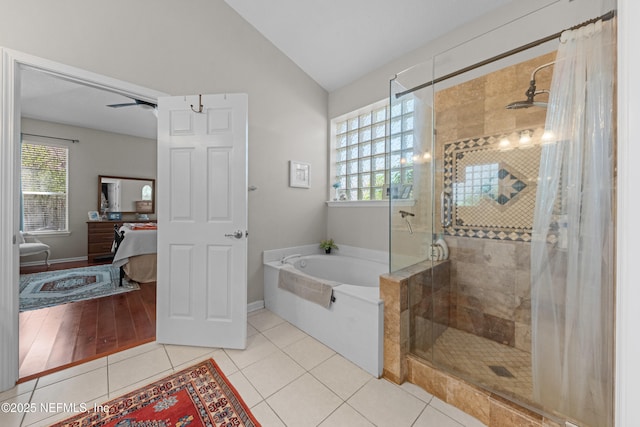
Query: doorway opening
x=39, y=95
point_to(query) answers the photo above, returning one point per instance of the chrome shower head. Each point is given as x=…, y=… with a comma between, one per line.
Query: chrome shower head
x=531, y=93
x=529, y=102
x=518, y=105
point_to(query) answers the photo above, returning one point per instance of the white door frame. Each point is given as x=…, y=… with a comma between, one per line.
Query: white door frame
x=12, y=62
x=628, y=228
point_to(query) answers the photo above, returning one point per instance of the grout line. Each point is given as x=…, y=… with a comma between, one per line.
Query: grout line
x=33, y=392
x=334, y=411
x=285, y=385
x=448, y=416
x=108, y=382
x=360, y=413
x=357, y=390
x=166, y=352
x=274, y=412
x=419, y=415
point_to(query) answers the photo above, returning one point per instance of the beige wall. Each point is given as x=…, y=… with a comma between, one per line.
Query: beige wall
x=97, y=153
x=201, y=46
x=371, y=221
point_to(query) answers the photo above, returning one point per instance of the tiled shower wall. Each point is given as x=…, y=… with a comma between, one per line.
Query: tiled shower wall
x=489, y=277
x=491, y=289
x=429, y=296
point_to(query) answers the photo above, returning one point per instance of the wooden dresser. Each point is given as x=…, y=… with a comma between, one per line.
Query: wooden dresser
x=100, y=239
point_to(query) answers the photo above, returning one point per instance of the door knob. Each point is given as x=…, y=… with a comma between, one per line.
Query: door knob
x=237, y=234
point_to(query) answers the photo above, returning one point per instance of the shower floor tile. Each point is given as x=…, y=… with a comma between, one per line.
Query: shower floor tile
x=481, y=361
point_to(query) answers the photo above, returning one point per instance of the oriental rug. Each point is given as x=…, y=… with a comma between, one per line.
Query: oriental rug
x=46, y=289
x=197, y=396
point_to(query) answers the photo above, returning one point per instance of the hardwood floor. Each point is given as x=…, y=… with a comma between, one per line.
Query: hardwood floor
x=55, y=338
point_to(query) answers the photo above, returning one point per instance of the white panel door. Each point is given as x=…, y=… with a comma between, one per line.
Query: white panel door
x=202, y=221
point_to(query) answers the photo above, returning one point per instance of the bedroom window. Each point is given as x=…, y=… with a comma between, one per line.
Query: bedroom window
x=373, y=150
x=44, y=177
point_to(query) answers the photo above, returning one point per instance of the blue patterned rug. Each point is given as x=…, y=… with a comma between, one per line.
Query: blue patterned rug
x=39, y=290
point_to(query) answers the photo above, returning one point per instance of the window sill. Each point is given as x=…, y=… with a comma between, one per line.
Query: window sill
x=369, y=203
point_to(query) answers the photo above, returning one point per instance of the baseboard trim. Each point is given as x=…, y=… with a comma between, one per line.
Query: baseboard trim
x=53, y=261
x=255, y=306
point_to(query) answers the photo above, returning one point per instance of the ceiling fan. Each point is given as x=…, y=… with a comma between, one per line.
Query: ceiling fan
x=139, y=102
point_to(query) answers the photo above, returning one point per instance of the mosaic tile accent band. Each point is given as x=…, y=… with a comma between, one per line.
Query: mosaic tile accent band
x=491, y=182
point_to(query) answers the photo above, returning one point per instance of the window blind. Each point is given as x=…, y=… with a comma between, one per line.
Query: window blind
x=44, y=176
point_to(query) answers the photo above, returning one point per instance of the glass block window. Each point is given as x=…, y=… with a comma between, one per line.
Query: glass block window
x=374, y=150
x=481, y=181
x=44, y=177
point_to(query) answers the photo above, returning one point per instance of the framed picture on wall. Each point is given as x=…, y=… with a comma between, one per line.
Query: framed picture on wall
x=299, y=174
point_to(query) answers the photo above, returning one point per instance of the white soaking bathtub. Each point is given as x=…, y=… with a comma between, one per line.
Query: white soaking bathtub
x=353, y=323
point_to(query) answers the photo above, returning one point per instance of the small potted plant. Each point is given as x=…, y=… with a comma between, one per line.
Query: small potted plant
x=327, y=245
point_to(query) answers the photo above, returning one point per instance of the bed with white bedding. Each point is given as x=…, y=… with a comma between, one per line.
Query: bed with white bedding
x=137, y=252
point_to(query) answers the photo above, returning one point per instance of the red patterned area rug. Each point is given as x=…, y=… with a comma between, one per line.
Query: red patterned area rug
x=197, y=396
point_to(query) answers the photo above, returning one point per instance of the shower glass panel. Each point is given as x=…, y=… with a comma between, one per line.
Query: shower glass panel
x=416, y=238
x=410, y=168
x=475, y=173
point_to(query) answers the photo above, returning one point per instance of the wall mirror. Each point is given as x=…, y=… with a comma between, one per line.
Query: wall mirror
x=126, y=194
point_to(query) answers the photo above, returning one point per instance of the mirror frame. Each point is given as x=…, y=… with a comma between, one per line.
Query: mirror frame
x=153, y=192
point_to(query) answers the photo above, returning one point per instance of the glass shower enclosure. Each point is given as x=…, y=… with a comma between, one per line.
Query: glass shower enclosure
x=492, y=205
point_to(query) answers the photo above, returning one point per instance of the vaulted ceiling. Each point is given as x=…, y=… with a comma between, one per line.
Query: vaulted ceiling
x=338, y=41
x=334, y=41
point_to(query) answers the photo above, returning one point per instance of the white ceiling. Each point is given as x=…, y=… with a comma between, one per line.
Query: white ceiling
x=338, y=41
x=50, y=98
x=333, y=41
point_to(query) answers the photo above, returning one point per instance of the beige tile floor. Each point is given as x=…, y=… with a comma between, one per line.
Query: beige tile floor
x=286, y=377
